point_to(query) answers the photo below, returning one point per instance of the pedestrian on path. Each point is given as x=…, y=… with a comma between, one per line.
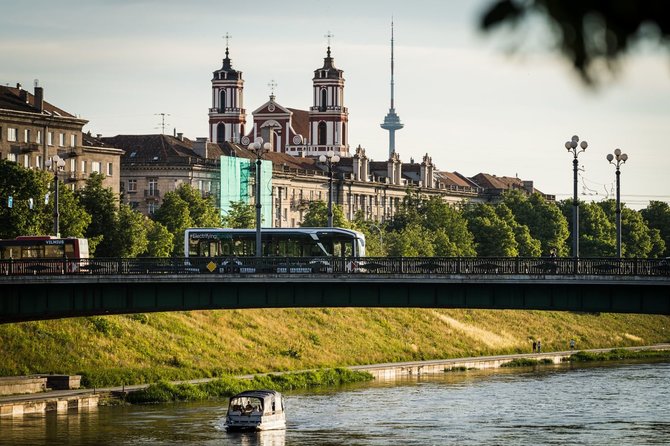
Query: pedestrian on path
x=534, y=346
x=572, y=344
x=539, y=346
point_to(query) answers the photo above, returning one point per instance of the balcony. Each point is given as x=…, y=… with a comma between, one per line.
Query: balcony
x=25, y=147
x=152, y=193
x=239, y=111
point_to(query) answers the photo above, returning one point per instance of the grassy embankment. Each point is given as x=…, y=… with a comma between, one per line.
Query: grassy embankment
x=145, y=348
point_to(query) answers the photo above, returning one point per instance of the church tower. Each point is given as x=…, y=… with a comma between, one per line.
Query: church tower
x=328, y=117
x=227, y=115
x=392, y=120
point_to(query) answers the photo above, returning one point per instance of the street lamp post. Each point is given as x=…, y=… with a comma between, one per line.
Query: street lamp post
x=55, y=164
x=573, y=146
x=618, y=159
x=329, y=158
x=258, y=147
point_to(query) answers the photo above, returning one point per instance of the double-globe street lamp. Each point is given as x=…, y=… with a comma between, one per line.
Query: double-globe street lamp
x=618, y=159
x=329, y=159
x=55, y=164
x=573, y=146
x=259, y=148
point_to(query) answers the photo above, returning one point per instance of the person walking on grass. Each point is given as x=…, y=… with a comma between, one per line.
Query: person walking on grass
x=539, y=346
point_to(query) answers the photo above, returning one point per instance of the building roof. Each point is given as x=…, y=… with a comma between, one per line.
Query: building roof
x=300, y=122
x=158, y=148
x=18, y=99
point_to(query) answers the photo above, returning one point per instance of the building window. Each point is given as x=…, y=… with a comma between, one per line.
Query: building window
x=83, y=166
x=153, y=187
x=96, y=167
x=132, y=185
x=26, y=135
x=322, y=134
x=12, y=134
x=61, y=139
x=151, y=208
x=73, y=165
x=38, y=139
x=73, y=140
x=222, y=100
x=11, y=157
x=38, y=161
x=324, y=98
x=110, y=169
x=50, y=138
x=26, y=161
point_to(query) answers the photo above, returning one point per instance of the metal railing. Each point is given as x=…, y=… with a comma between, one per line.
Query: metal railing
x=498, y=266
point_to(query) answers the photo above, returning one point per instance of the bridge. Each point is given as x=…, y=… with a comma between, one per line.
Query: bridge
x=48, y=289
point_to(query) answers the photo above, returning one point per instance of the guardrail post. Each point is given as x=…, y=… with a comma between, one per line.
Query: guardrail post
x=635, y=266
x=516, y=265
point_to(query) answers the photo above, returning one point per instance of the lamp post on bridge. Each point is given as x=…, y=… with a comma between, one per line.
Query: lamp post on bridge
x=618, y=159
x=259, y=148
x=329, y=159
x=573, y=146
x=55, y=164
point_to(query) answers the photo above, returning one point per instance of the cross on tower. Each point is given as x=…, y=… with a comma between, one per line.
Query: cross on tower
x=272, y=84
x=227, y=37
x=329, y=36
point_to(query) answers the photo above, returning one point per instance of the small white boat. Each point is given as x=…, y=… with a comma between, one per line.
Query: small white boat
x=256, y=410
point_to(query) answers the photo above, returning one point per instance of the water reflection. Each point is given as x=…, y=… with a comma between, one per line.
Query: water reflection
x=263, y=438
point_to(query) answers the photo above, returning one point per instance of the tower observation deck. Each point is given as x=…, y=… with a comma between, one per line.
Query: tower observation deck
x=392, y=120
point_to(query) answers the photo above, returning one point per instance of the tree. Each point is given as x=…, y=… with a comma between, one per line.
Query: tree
x=101, y=204
x=159, y=240
x=22, y=185
x=317, y=216
x=411, y=241
x=657, y=216
x=589, y=31
x=240, y=215
x=526, y=244
x=597, y=233
x=174, y=215
x=543, y=218
x=493, y=236
x=202, y=210
x=129, y=236
x=186, y=208
x=74, y=220
x=636, y=237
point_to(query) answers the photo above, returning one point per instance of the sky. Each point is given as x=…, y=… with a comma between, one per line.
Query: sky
x=500, y=103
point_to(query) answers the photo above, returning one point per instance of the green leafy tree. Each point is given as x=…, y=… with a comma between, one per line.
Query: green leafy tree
x=74, y=220
x=493, y=236
x=174, y=215
x=160, y=241
x=22, y=185
x=375, y=233
x=317, y=216
x=597, y=233
x=101, y=204
x=202, y=210
x=130, y=234
x=544, y=220
x=657, y=216
x=411, y=241
x=636, y=237
x=240, y=215
x=526, y=244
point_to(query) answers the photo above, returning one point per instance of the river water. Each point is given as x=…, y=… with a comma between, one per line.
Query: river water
x=596, y=405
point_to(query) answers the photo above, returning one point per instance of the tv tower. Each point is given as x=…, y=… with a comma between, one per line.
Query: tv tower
x=392, y=120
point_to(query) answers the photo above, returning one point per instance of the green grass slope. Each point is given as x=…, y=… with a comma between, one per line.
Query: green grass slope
x=144, y=348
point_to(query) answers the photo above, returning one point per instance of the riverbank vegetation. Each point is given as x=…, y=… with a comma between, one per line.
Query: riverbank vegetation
x=618, y=354
x=145, y=348
x=164, y=392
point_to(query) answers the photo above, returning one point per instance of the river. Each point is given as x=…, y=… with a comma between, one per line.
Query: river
x=595, y=405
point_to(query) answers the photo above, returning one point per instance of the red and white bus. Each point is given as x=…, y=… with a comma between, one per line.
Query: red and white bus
x=42, y=253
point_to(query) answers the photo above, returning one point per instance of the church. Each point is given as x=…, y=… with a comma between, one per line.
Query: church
x=222, y=165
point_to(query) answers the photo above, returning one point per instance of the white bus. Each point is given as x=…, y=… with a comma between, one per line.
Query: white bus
x=276, y=242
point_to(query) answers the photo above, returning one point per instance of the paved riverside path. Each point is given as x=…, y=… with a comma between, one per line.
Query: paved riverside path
x=380, y=371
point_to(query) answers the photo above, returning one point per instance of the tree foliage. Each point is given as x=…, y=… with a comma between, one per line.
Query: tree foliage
x=636, y=237
x=317, y=216
x=101, y=204
x=589, y=32
x=159, y=240
x=241, y=215
x=657, y=216
x=494, y=237
x=543, y=218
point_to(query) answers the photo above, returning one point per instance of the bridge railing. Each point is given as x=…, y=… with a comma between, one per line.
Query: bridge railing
x=535, y=266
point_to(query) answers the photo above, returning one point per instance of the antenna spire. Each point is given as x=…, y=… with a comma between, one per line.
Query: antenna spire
x=392, y=120
x=392, y=83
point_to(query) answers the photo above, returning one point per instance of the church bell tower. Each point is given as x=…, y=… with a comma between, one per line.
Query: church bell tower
x=227, y=115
